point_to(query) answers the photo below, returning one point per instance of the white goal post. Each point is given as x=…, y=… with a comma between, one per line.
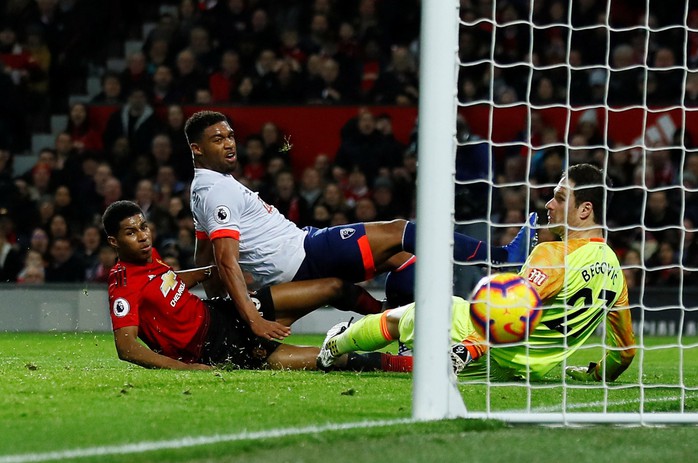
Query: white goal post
x=639, y=129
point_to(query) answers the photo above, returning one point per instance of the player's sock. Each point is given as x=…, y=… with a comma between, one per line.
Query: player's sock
x=398, y=363
x=368, y=334
x=465, y=248
x=370, y=361
x=357, y=299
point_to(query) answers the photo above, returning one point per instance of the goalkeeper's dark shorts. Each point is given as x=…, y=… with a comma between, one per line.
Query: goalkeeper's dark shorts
x=230, y=340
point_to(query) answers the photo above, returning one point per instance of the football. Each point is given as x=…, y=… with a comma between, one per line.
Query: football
x=504, y=308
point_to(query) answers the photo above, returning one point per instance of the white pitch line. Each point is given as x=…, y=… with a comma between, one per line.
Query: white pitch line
x=194, y=441
x=191, y=441
x=578, y=406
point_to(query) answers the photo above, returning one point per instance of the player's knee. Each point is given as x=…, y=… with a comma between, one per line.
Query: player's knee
x=335, y=288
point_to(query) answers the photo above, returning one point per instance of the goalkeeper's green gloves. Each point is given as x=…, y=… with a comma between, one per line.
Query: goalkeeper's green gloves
x=583, y=373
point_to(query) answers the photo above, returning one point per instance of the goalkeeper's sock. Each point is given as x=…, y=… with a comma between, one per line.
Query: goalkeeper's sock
x=368, y=334
x=465, y=248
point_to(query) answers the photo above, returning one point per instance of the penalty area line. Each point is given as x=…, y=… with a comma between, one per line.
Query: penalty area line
x=191, y=441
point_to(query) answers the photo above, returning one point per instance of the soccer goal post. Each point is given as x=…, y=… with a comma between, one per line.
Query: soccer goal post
x=531, y=88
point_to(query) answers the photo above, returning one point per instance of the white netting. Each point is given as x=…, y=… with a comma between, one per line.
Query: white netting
x=546, y=84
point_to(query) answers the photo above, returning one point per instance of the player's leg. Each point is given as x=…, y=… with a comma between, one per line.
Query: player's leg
x=296, y=299
x=290, y=357
x=467, y=248
x=369, y=333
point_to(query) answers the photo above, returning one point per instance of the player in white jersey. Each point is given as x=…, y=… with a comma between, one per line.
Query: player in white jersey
x=254, y=245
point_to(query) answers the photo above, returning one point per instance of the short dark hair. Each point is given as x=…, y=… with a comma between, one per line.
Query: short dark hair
x=200, y=121
x=590, y=184
x=115, y=213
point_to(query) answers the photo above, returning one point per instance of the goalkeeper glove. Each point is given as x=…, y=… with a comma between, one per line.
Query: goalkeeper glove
x=460, y=357
x=583, y=373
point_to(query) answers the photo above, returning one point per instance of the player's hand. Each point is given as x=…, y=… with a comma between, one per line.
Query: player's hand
x=269, y=330
x=586, y=374
x=460, y=357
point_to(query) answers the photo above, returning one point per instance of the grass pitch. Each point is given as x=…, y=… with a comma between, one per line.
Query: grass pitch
x=66, y=397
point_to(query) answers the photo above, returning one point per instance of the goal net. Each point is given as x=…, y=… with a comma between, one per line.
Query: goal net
x=538, y=86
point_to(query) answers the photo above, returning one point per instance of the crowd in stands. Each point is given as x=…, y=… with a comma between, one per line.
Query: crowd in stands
x=325, y=52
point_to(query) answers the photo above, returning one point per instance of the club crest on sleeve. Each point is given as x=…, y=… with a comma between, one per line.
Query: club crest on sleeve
x=222, y=214
x=121, y=307
x=537, y=277
x=345, y=233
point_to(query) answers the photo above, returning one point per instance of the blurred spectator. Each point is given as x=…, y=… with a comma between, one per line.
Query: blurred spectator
x=157, y=54
x=83, y=136
x=163, y=91
x=363, y=147
x=274, y=143
x=88, y=252
x=10, y=259
x=146, y=197
x=254, y=168
x=660, y=214
x=37, y=85
x=663, y=267
x=188, y=76
x=135, y=75
x=310, y=187
x=365, y=210
x=245, y=92
x=181, y=153
x=39, y=242
x=289, y=82
x=399, y=83
x=330, y=87
x=64, y=266
x=63, y=205
x=33, y=270
x=669, y=81
x=111, y=90
x=135, y=121
x=357, y=188
x=8, y=190
x=161, y=150
x=202, y=97
x=200, y=45
x=286, y=199
x=224, y=81
x=632, y=268
x=333, y=199
x=99, y=272
x=622, y=86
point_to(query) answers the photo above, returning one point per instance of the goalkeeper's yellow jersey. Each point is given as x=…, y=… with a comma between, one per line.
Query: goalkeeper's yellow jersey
x=580, y=283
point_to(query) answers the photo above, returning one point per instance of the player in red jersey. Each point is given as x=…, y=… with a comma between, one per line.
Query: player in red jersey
x=150, y=301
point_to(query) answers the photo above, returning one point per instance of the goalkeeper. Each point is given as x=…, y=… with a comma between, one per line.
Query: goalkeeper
x=579, y=280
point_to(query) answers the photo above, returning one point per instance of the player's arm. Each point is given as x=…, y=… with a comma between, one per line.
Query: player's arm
x=203, y=256
x=226, y=252
x=130, y=350
x=619, y=336
x=620, y=340
x=194, y=276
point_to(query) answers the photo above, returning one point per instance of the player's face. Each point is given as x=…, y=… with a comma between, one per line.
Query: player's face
x=562, y=212
x=133, y=242
x=217, y=150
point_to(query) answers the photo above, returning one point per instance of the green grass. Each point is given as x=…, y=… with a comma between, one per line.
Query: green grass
x=69, y=391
